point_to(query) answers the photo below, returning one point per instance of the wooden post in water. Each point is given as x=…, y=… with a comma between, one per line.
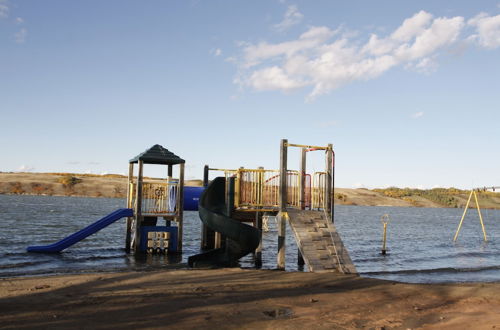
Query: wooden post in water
x=218, y=235
x=302, y=192
x=258, y=221
x=283, y=203
x=385, y=220
x=138, y=207
x=333, y=186
x=128, y=237
x=329, y=180
x=384, y=240
x=180, y=208
x=204, y=228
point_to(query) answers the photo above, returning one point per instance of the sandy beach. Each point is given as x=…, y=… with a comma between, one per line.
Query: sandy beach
x=243, y=299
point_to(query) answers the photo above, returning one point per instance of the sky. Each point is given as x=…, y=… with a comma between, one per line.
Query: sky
x=408, y=92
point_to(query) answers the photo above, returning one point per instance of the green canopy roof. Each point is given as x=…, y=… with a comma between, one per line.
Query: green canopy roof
x=158, y=155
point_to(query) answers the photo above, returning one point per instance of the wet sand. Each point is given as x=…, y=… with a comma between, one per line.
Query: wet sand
x=242, y=299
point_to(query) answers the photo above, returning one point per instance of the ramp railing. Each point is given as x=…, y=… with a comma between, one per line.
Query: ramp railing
x=307, y=191
x=318, y=200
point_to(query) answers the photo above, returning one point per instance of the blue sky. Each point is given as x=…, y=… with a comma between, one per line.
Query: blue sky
x=407, y=92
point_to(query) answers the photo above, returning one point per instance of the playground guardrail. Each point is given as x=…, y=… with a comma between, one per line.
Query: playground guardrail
x=259, y=189
x=158, y=197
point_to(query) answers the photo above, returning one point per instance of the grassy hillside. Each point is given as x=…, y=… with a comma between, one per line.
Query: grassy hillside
x=68, y=184
x=113, y=185
x=444, y=197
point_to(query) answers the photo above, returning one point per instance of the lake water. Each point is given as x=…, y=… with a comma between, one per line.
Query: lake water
x=420, y=246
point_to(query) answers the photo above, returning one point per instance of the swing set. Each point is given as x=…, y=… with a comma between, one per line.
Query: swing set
x=474, y=193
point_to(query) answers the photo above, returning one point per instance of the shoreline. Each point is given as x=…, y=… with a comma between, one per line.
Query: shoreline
x=249, y=299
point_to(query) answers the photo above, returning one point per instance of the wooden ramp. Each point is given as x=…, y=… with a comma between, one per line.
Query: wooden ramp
x=319, y=242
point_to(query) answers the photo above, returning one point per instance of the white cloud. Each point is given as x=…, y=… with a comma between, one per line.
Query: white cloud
x=25, y=168
x=325, y=59
x=4, y=9
x=20, y=36
x=412, y=27
x=19, y=20
x=292, y=17
x=488, y=30
x=426, y=65
x=311, y=39
x=417, y=115
x=273, y=78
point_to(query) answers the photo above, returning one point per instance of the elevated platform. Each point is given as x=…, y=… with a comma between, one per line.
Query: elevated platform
x=320, y=244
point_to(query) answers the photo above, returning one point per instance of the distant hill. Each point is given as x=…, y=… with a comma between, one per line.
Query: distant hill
x=68, y=184
x=115, y=186
x=438, y=197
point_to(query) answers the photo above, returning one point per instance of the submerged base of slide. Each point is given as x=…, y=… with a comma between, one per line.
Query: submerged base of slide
x=242, y=239
x=85, y=232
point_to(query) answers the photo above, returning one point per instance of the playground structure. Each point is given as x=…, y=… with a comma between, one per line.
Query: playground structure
x=246, y=195
x=466, y=208
x=226, y=204
x=151, y=199
x=147, y=199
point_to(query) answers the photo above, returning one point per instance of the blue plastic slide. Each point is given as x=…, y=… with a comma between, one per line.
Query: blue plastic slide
x=85, y=232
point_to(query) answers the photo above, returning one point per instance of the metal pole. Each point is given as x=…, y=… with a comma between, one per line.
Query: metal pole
x=480, y=217
x=463, y=216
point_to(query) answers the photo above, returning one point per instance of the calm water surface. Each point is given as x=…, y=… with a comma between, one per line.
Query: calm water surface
x=419, y=241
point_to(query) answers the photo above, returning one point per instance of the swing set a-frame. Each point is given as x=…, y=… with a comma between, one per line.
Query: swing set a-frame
x=474, y=193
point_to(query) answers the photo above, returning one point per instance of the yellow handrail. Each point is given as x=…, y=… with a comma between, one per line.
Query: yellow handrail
x=306, y=146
